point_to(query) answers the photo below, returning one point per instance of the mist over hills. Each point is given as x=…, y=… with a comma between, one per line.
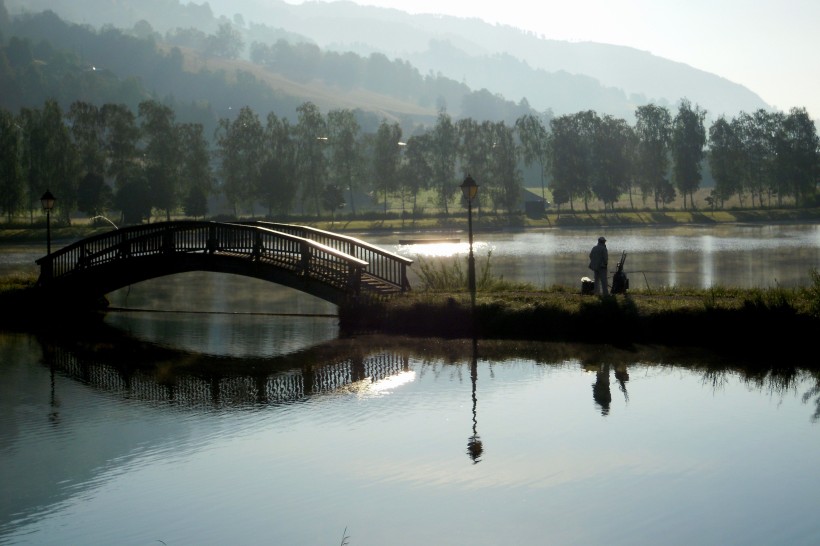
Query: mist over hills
x=566, y=77
x=539, y=73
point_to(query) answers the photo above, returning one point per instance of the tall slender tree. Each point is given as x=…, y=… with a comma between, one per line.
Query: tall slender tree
x=534, y=140
x=196, y=173
x=277, y=180
x=445, y=149
x=343, y=139
x=688, y=145
x=240, y=146
x=416, y=171
x=87, y=130
x=611, y=159
x=49, y=159
x=653, y=126
x=386, y=158
x=504, y=169
x=12, y=188
x=757, y=132
x=797, y=158
x=120, y=140
x=571, y=148
x=311, y=161
x=725, y=161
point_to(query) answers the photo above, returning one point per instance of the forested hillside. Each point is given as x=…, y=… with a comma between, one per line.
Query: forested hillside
x=203, y=79
x=550, y=75
x=159, y=125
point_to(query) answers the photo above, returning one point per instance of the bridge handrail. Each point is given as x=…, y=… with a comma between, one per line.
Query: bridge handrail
x=322, y=261
x=382, y=264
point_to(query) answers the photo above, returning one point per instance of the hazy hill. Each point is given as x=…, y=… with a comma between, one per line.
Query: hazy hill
x=564, y=76
x=548, y=75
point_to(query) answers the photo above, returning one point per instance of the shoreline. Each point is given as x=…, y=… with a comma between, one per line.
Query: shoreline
x=726, y=324
x=751, y=324
x=778, y=325
x=482, y=222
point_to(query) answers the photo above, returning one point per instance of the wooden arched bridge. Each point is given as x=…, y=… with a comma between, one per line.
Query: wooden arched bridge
x=328, y=265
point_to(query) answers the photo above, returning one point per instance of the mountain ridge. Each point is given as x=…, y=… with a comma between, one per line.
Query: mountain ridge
x=650, y=78
x=550, y=75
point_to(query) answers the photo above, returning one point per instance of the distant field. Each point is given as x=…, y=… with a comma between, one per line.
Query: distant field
x=370, y=215
x=700, y=202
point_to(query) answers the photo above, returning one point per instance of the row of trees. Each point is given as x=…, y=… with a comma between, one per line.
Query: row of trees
x=96, y=159
x=763, y=155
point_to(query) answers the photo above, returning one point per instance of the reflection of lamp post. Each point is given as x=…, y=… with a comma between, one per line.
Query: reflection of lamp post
x=474, y=445
x=47, y=201
x=469, y=188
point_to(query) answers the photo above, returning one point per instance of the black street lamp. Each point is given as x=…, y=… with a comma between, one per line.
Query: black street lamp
x=469, y=188
x=47, y=201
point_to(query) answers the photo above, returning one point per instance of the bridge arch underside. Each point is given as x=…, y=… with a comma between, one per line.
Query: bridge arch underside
x=93, y=284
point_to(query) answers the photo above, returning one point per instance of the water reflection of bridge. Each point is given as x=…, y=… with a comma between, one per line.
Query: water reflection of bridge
x=328, y=265
x=214, y=383
x=122, y=365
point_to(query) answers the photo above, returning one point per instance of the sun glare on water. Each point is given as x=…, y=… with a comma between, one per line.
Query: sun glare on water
x=381, y=387
x=442, y=249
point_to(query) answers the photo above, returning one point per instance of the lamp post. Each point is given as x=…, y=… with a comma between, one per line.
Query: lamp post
x=47, y=201
x=469, y=188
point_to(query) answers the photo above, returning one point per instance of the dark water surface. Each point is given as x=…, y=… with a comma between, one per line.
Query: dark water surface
x=220, y=410
x=134, y=438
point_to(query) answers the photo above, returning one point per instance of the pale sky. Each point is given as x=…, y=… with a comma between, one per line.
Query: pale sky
x=771, y=47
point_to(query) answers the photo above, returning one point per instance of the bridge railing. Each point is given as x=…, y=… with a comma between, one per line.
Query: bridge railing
x=386, y=266
x=102, y=248
x=303, y=256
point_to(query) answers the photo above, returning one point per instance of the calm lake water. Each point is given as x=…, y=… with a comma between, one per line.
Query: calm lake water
x=745, y=256
x=741, y=255
x=222, y=410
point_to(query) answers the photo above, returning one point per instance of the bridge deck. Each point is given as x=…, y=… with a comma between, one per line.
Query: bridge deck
x=332, y=266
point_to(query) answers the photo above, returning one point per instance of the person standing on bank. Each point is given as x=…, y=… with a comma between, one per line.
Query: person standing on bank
x=598, y=261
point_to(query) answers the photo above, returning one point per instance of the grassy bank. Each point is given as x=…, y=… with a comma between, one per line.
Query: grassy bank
x=708, y=320
x=758, y=322
x=750, y=321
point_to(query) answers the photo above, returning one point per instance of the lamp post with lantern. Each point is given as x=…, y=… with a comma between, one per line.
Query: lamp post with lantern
x=469, y=188
x=47, y=200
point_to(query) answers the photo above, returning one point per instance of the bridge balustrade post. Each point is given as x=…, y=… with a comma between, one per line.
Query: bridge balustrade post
x=81, y=258
x=405, y=283
x=123, y=248
x=258, y=247
x=211, y=244
x=46, y=270
x=354, y=279
x=304, y=262
x=168, y=242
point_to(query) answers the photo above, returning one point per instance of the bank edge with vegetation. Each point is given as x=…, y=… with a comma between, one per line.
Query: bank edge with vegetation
x=759, y=322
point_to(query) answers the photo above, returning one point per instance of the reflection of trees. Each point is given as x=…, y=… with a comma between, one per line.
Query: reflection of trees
x=622, y=376
x=814, y=392
x=776, y=379
x=54, y=402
